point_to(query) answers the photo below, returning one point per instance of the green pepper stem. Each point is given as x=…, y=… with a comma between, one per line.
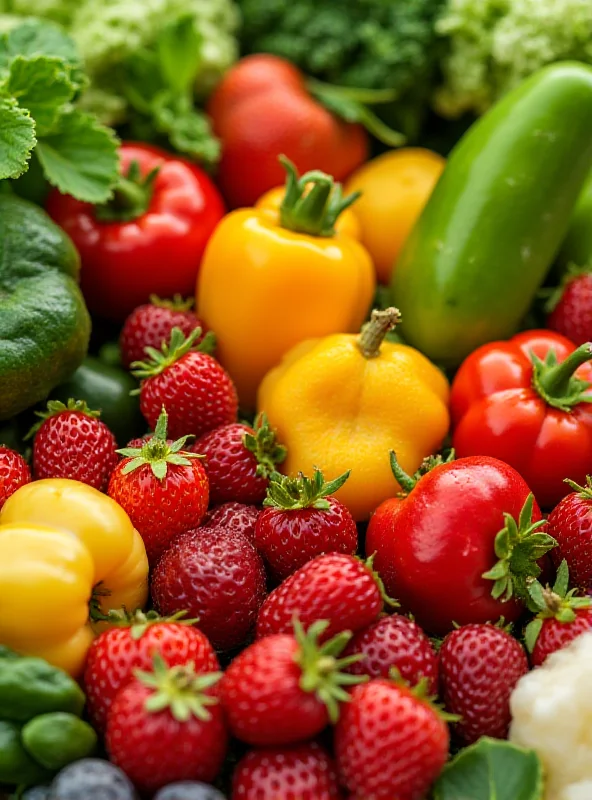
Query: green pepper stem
x=373, y=333
x=555, y=381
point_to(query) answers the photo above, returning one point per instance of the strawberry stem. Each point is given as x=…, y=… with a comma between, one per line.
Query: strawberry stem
x=171, y=352
x=175, y=303
x=262, y=443
x=291, y=494
x=55, y=407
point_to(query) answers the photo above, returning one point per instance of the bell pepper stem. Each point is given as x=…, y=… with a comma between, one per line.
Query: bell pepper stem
x=373, y=333
x=555, y=381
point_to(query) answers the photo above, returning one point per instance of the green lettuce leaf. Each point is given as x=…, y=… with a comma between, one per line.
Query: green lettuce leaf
x=17, y=138
x=42, y=86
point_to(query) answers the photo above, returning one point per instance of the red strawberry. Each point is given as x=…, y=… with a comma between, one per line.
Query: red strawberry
x=151, y=325
x=302, y=521
x=167, y=725
x=218, y=577
x=479, y=667
x=239, y=460
x=14, y=473
x=562, y=616
x=72, y=442
x=234, y=517
x=570, y=524
x=390, y=742
x=197, y=391
x=572, y=307
x=163, y=488
x=395, y=641
x=301, y=772
x=119, y=650
x=339, y=588
x=286, y=688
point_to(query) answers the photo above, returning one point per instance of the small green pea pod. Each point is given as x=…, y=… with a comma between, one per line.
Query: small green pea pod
x=31, y=686
x=56, y=740
x=16, y=765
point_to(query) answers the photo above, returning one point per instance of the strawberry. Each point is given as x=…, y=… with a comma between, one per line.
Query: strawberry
x=240, y=460
x=151, y=325
x=301, y=520
x=167, y=725
x=300, y=772
x=561, y=617
x=163, y=488
x=286, y=688
x=71, y=442
x=14, y=473
x=570, y=524
x=395, y=641
x=571, y=307
x=116, y=652
x=234, y=517
x=479, y=667
x=390, y=742
x=197, y=391
x=337, y=587
x=218, y=577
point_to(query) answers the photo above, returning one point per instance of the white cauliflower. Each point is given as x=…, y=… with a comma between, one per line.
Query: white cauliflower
x=552, y=715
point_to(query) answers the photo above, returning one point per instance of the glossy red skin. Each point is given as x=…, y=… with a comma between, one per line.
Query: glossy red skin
x=288, y=539
x=388, y=743
x=115, y=653
x=334, y=587
x=572, y=316
x=235, y=517
x=151, y=325
x=262, y=698
x=302, y=772
x=395, y=641
x=14, y=473
x=160, y=252
x=556, y=635
x=262, y=109
x=570, y=524
x=432, y=550
x=155, y=749
x=479, y=667
x=496, y=412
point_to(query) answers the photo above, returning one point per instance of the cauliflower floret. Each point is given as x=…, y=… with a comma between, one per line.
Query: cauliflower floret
x=552, y=714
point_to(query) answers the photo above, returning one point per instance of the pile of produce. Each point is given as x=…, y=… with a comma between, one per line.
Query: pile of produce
x=295, y=406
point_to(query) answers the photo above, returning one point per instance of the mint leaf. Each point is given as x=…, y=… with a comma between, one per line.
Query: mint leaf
x=491, y=770
x=179, y=52
x=187, y=128
x=17, y=138
x=80, y=158
x=41, y=85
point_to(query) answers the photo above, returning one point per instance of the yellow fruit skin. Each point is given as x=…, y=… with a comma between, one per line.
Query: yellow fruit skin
x=337, y=410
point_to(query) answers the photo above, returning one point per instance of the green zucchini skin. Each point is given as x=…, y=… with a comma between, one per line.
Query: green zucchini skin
x=494, y=223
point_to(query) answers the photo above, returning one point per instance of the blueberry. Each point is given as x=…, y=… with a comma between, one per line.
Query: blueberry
x=37, y=793
x=189, y=790
x=92, y=778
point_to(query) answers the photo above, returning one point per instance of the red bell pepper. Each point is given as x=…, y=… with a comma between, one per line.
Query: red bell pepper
x=526, y=402
x=149, y=239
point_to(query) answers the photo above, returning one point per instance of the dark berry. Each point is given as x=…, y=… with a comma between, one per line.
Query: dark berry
x=92, y=778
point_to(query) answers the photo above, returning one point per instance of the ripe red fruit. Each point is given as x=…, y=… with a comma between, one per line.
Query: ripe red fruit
x=395, y=641
x=151, y=325
x=71, y=442
x=239, y=461
x=167, y=725
x=14, y=473
x=336, y=587
x=479, y=667
x=118, y=651
x=163, y=488
x=572, y=308
x=570, y=524
x=301, y=772
x=389, y=742
x=301, y=520
x=190, y=384
x=286, y=688
x=218, y=577
x=233, y=517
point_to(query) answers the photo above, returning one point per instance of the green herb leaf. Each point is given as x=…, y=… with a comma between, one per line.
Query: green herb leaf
x=80, y=158
x=40, y=38
x=179, y=49
x=187, y=128
x=41, y=85
x=17, y=138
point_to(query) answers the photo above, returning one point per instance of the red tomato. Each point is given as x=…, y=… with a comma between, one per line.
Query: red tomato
x=155, y=241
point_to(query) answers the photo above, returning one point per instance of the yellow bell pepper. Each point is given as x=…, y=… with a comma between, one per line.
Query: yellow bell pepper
x=344, y=401
x=68, y=555
x=267, y=282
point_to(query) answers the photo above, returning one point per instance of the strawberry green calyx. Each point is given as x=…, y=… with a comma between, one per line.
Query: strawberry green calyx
x=291, y=494
x=556, y=382
x=175, y=303
x=408, y=482
x=369, y=564
x=518, y=547
x=55, y=407
x=313, y=202
x=421, y=692
x=169, y=354
x=263, y=445
x=585, y=492
x=560, y=603
x=157, y=452
x=179, y=689
x=140, y=621
x=321, y=667
x=372, y=334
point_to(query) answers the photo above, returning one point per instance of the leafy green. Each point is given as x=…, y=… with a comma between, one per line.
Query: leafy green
x=17, y=138
x=41, y=85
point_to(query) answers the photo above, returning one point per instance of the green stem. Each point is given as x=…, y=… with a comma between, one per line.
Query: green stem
x=555, y=381
x=373, y=333
x=405, y=481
